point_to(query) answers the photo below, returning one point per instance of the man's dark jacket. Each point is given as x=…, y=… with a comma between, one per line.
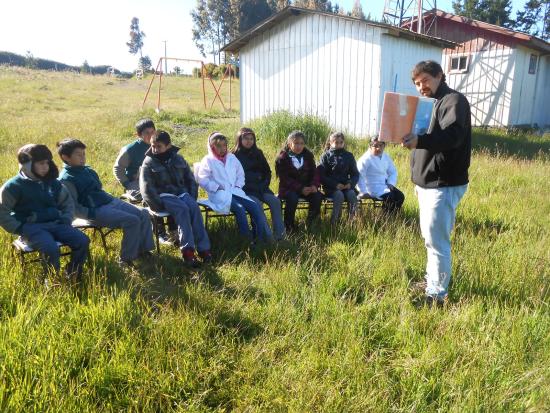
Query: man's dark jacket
x=442, y=156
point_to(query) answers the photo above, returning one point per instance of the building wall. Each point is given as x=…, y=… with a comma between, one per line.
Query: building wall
x=541, y=112
x=327, y=66
x=527, y=88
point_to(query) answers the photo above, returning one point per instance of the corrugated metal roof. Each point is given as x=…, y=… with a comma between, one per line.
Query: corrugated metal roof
x=274, y=20
x=524, y=39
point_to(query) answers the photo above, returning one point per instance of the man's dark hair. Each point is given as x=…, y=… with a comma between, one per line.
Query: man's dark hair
x=162, y=137
x=430, y=67
x=144, y=124
x=68, y=145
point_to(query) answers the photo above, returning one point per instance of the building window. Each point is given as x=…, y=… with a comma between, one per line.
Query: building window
x=459, y=64
x=533, y=64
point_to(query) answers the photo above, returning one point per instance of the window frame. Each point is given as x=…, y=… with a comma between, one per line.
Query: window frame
x=459, y=57
x=533, y=64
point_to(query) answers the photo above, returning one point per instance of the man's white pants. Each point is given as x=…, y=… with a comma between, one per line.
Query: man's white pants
x=437, y=218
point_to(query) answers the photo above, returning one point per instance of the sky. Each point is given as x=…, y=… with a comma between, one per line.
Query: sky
x=72, y=31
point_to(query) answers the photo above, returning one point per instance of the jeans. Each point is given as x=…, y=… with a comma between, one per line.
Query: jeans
x=338, y=197
x=292, y=198
x=437, y=218
x=188, y=218
x=274, y=204
x=137, y=234
x=240, y=206
x=43, y=237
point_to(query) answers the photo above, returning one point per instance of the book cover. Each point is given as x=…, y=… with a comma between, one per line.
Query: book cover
x=402, y=114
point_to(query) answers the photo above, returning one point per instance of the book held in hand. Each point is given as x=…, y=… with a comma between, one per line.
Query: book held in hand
x=403, y=114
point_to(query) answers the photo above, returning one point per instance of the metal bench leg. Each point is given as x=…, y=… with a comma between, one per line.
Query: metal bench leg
x=102, y=235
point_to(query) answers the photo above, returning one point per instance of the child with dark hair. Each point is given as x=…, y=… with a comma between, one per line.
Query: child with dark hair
x=298, y=178
x=37, y=207
x=167, y=184
x=339, y=175
x=378, y=177
x=99, y=207
x=131, y=156
x=257, y=177
x=222, y=176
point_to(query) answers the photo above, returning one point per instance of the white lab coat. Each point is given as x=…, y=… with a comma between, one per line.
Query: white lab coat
x=375, y=173
x=221, y=181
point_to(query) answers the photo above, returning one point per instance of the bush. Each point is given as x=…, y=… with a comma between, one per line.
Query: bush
x=274, y=128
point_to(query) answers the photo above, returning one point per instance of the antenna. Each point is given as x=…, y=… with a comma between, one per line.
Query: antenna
x=415, y=15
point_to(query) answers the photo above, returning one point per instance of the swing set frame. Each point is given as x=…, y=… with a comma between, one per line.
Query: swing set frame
x=228, y=73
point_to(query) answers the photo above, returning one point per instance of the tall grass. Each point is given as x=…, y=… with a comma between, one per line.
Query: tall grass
x=324, y=322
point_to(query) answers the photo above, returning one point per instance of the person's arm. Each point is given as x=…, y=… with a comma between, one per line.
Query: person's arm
x=452, y=119
x=239, y=171
x=119, y=168
x=8, y=200
x=66, y=206
x=391, y=171
x=266, y=181
x=79, y=210
x=353, y=172
x=147, y=188
x=205, y=177
x=189, y=179
x=362, y=170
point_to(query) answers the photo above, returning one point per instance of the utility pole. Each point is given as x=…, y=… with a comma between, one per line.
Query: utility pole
x=165, y=59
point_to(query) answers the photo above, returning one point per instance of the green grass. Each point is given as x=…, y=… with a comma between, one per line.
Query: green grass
x=323, y=323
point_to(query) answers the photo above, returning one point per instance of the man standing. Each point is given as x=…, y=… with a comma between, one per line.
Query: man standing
x=439, y=169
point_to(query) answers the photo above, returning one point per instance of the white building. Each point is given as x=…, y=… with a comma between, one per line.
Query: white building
x=333, y=66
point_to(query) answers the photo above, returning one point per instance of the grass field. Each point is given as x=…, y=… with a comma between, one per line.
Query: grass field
x=325, y=322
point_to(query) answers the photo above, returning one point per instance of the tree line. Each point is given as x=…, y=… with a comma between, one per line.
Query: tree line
x=218, y=22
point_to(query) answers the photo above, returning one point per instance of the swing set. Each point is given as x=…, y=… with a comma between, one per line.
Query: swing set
x=228, y=74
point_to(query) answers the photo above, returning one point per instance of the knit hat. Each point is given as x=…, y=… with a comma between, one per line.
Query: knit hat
x=33, y=153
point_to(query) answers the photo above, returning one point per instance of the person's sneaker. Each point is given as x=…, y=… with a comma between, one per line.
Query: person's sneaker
x=206, y=256
x=434, y=301
x=189, y=258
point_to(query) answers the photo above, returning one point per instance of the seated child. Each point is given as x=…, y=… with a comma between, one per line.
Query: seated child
x=298, y=178
x=257, y=177
x=100, y=208
x=167, y=184
x=222, y=176
x=378, y=177
x=131, y=156
x=37, y=207
x=339, y=175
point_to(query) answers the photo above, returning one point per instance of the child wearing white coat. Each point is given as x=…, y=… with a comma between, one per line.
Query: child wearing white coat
x=222, y=176
x=378, y=177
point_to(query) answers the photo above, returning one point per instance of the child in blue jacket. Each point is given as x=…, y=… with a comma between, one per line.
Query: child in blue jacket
x=35, y=205
x=99, y=207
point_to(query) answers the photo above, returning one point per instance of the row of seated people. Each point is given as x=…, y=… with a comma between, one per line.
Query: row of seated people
x=39, y=203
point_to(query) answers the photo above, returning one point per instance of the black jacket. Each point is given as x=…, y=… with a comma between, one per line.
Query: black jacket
x=337, y=167
x=171, y=176
x=257, y=174
x=442, y=157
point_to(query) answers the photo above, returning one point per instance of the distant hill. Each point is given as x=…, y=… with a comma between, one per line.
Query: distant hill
x=13, y=59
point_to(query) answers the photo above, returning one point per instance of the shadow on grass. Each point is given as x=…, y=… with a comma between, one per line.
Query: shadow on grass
x=500, y=143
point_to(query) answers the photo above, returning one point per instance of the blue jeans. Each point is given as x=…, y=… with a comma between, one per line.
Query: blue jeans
x=240, y=206
x=274, y=204
x=43, y=237
x=188, y=218
x=338, y=197
x=437, y=218
x=137, y=235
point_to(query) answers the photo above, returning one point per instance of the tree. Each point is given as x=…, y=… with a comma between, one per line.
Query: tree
x=30, y=60
x=535, y=19
x=489, y=11
x=136, y=38
x=85, y=67
x=357, y=10
x=145, y=63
